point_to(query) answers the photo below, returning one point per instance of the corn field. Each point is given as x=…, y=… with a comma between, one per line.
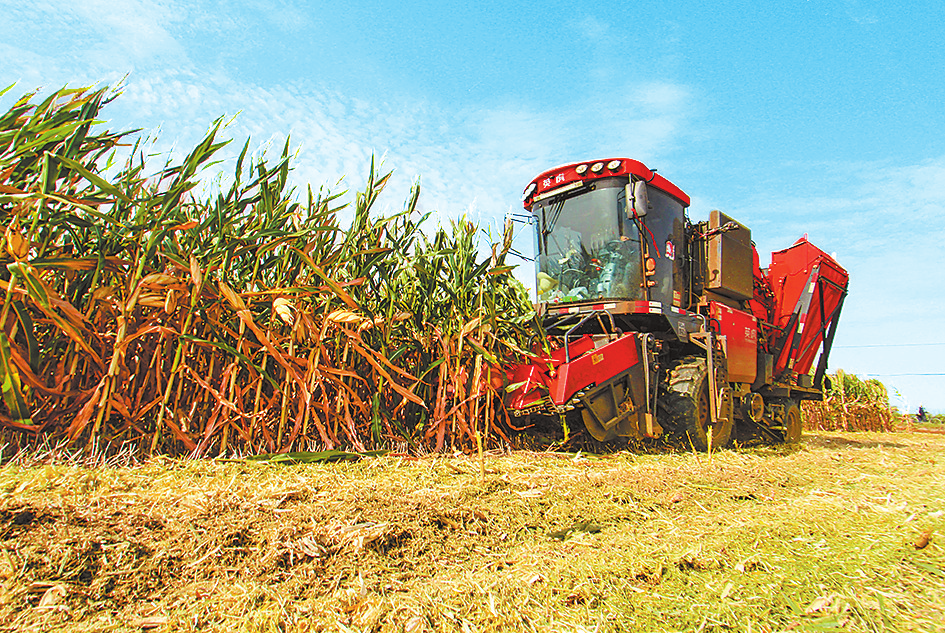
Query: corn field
x=851, y=404
x=137, y=311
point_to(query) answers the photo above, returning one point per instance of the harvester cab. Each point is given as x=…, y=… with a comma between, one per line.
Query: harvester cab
x=659, y=325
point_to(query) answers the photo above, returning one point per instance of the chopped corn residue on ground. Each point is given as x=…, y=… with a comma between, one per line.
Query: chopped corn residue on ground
x=845, y=533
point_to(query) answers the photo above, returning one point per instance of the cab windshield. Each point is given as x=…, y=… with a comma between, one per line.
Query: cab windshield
x=587, y=248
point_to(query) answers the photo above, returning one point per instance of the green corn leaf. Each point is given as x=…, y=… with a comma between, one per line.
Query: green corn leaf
x=26, y=329
x=10, y=383
x=35, y=289
x=932, y=569
x=37, y=293
x=98, y=181
x=500, y=270
x=479, y=349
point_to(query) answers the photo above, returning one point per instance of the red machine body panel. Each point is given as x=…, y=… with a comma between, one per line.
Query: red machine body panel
x=741, y=334
x=567, y=174
x=560, y=380
x=534, y=378
x=808, y=286
x=762, y=303
x=594, y=367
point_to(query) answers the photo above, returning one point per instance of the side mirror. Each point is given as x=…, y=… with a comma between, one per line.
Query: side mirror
x=636, y=192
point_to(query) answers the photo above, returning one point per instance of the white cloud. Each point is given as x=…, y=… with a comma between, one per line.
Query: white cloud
x=884, y=222
x=593, y=29
x=859, y=14
x=661, y=96
x=288, y=17
x=918, y=187
x=96, y=35
x=475, y=159
x=131, y=31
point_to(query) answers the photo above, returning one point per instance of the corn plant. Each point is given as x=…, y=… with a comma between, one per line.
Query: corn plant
x=851, y=404
x=136, y=311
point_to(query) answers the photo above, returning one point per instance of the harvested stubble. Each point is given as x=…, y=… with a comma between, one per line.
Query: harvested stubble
x=843, y=533
x=137, y=312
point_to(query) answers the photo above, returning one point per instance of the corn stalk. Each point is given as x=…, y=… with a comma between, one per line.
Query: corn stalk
x=249, y=320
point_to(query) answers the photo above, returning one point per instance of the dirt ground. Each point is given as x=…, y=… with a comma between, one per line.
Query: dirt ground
x=844, y=532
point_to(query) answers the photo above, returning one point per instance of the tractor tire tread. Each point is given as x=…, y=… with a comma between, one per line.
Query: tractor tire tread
x=680, y=403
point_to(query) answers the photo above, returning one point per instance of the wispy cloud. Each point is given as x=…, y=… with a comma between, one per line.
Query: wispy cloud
x=472, y=159
x=882, y=219
x=131, y=30
x=593, y=29
x=860, y=14
x=289, y=17
x=98, y=34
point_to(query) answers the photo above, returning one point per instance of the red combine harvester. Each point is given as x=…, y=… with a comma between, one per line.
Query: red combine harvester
x=665, y=326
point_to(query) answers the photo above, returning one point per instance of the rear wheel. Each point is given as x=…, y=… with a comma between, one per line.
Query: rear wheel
x=793, y=423
x=684, y=405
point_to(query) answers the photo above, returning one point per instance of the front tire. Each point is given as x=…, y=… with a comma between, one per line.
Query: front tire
x=684, y=404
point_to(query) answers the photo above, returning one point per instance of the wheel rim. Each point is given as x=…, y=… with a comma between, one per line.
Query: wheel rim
x=704, y=418
x=792, y=424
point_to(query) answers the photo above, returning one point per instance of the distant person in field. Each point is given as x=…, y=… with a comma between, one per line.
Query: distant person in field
x=920, y=416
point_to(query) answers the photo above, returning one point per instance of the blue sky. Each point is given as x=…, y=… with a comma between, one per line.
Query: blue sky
x=807, y=116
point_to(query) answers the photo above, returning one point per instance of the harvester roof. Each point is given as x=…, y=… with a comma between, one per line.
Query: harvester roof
x=573, y=175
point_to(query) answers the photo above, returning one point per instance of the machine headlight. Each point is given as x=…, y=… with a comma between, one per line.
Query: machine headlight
x=614, y=164
x=581, y=169
x=597, y=167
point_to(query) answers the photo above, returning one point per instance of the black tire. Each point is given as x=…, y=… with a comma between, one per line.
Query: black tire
x=684, y=406
x=793, y=422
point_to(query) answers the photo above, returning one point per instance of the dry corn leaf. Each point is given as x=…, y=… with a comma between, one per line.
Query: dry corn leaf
x=52, y=597
x=344, y=316
x=469, y=327
x=159, y=279
x=367, y=325
x=232, y=298
x=283, y=308
x=151, y=622
x=102, y=293
x=195, y=274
